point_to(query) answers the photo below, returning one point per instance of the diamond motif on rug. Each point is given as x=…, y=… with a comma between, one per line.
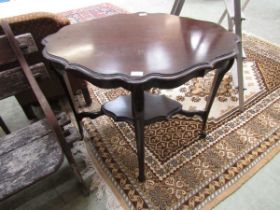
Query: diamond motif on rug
x=193, y=94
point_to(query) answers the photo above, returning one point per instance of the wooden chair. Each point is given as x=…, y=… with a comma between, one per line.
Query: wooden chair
x=36, y=151
x=40, y=25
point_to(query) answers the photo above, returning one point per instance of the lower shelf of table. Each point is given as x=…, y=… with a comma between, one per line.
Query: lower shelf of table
x=156, y=107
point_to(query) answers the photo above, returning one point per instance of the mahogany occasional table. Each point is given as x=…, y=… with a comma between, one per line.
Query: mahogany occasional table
x=140, y=51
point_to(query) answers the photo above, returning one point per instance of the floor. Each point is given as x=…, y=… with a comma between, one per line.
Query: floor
x=60, y=190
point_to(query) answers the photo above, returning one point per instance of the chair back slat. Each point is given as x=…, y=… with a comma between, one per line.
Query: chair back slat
x=26, y=43
x=12, y=78
x=13, y=81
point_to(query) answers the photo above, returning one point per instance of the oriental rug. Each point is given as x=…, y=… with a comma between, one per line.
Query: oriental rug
x=183, y=171
x=91, y=12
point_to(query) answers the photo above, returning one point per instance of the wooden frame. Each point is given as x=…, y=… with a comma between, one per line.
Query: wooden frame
x=46, y=140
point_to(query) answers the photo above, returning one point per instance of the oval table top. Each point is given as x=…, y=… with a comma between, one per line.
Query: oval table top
x=138, y=47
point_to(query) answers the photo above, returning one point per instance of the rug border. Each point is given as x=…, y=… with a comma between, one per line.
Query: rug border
x=210, y=204
x=104, y=176
x=252, y=171
x=241, y=181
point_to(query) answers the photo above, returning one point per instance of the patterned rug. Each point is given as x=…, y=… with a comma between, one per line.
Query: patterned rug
x=95, y=11
x=182, y=171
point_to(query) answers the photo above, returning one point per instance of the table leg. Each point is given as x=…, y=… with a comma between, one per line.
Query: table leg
x=219, y=74
x=69, y=94
x=137, y=103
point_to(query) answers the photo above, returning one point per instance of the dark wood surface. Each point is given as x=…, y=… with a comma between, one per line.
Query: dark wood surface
x=159, y=46
x=156, y=107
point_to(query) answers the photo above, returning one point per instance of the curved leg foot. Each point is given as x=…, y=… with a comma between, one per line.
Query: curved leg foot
x=202, y=135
